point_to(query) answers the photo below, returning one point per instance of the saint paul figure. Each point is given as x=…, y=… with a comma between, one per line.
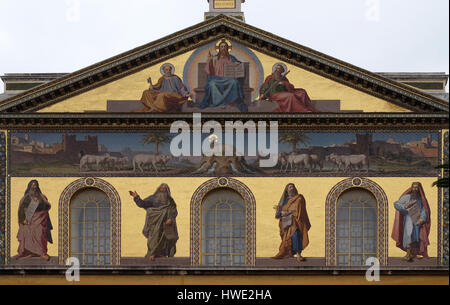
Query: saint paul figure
x=278, y=89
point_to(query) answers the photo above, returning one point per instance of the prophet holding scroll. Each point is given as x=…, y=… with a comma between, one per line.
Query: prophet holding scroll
x=34, y=223
x=412, y=222
x=293, y=222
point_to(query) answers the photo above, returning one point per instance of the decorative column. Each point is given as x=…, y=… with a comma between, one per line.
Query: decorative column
x=443, y=257
x=3, y=242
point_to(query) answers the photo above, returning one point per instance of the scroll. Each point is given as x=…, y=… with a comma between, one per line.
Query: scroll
x=234, y=71
x=32, y=207
x=170, y=232
x=286, y=221
x=414, y=212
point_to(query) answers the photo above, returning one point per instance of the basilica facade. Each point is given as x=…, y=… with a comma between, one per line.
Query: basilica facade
x=223, y=146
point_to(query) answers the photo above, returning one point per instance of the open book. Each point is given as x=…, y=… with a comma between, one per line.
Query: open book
x=234, y=71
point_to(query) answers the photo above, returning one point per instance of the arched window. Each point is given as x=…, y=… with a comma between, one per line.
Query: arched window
x=356, y=227
x=356, y=223
x=223, y=229
x=223, y=224
x=90, y=227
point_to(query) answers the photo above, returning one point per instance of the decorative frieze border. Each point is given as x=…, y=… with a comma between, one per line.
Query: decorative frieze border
x=122, y=121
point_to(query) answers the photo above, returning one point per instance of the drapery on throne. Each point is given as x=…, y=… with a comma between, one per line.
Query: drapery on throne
x=203, y=78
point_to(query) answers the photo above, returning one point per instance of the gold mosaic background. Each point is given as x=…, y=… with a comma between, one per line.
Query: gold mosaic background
x=132, y=86
x=267, y=192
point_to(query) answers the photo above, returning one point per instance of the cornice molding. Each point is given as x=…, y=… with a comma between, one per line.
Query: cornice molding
x=286, y=121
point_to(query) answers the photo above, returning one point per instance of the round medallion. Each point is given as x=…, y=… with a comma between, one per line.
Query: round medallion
x=89, y=181
x=223, y=181
x=357, y=181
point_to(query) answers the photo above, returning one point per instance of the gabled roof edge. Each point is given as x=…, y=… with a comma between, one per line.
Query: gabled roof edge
x=189, y=38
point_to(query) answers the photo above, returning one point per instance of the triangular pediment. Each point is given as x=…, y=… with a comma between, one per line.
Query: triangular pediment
x=330, y=85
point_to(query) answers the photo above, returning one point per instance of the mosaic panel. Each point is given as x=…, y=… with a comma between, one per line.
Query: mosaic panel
x=299, y=154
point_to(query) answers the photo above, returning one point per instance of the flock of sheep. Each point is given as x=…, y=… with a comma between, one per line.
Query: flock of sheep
x=295, y=162
x=140, y=162
x=300, y=162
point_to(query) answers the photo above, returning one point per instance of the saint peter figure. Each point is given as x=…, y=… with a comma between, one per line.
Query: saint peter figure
x=34, y=223
x=412, y=222
x=293, y=222
x=160, y=222
x=167, y=95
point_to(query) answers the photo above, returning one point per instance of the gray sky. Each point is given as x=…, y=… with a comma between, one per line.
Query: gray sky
x=377, y=35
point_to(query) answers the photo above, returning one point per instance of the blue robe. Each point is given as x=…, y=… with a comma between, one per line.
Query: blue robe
x=222, y=91
x=297, y=238
x=175, y=85
x=411, y=232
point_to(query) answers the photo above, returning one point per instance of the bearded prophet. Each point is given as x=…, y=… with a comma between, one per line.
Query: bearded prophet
x=160, y=227
x=294, y=224
x=34, y=223
x=412, y=222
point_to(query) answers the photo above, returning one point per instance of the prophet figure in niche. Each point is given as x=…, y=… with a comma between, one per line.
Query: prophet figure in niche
x=412, y=222
x=34, y=223
x=294, y=224
x=160, y=227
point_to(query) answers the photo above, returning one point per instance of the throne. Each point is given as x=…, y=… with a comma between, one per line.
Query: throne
x=203, y=79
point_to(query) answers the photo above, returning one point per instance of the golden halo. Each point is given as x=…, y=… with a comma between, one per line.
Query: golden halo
x=230, y=45
x=279, y=64
x=167, y=64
